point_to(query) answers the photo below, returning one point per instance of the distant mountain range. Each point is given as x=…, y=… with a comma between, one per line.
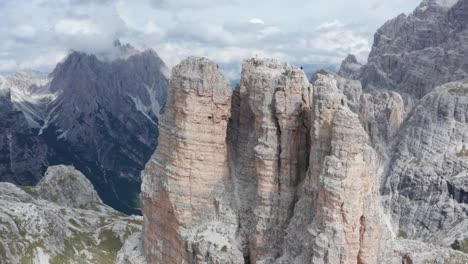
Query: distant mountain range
x=96, y=112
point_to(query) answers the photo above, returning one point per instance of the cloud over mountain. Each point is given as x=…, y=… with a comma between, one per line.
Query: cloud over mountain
x=38, y=33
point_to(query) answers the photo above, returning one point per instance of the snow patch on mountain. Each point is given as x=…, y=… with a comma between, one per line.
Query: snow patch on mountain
x=29, y=94
x=446, y=3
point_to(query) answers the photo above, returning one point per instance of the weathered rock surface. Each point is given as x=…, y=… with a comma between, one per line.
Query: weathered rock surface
x=185, y=191
x=415, y=53
x=304, y=159
x=349, y=67
x=417, y=127
x=22, y=153
x=382, y=114
x=425, y=184
x=37, y=226
x=337, y=214
x=410, y=251
x=269, y=202
x=268, y=151
x=348, y=216
x=66, y=187
x=132, y=250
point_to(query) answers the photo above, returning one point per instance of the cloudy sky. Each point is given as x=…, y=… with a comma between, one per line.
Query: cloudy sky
x=36, y=34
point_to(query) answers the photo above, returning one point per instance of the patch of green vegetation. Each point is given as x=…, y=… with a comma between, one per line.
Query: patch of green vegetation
x=135, y=221
x=460, y=245
x=62, y=180
x=458, y=91
x=402, y=234
x=130, y=230
x=416, y=162
x=12, y=248
x=74, y=222
x=29, y=190
x=109, y=242
x=102, y=221
x=21, y=231
x=103, y=257
x=463, y=152
x=224, y=248
x=28, y=254
x=2, y=251
x=73, y=245
x=93, y=207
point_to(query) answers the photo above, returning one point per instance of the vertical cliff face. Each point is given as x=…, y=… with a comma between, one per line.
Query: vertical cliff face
x=290, y=178
x=184, y=183
x=268, y=145
x=414, y=112
x=425, y=185
x=22, y=153
x=336, y=216
x=415, y=53
x=382, y=114
x=348, y=207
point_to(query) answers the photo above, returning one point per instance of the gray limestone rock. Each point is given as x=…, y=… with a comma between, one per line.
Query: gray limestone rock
x=425, y=182
x=415, y=53
x=54, y=223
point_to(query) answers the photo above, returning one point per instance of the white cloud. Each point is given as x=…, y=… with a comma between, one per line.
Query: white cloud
x=76, y=27
x=8, y=65
x=46, y=60
x=331, y=24
x=24, y=31
x=151, y=28
x=226, y=31
x=268, y=31
x=188, y=4
x=257, y=21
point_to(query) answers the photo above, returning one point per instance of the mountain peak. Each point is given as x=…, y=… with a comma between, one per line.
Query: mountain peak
x=67, y=186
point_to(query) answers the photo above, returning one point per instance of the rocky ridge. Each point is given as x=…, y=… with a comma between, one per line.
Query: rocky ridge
x=418, y=64
x=61, y=220
x=412, y=54
x=290, y=178
x=97, y=112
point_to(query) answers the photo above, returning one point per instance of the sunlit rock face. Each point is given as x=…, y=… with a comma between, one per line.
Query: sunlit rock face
x=268, y=151
x=186, y=188
x=227, y=192
x=338, y=209
x=344, y=169
x=414, y=108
